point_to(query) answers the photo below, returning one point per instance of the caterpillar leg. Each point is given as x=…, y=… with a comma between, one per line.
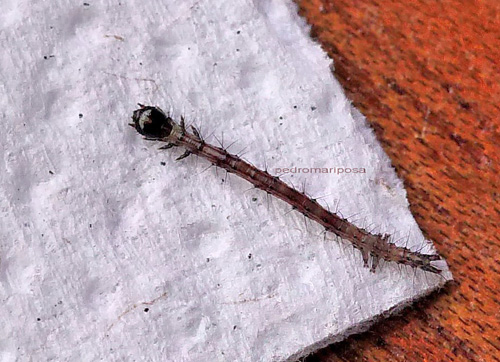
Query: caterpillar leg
x=184, y=155
x=167, y=146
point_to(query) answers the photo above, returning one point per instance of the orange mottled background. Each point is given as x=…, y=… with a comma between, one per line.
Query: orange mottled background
x=426, y=74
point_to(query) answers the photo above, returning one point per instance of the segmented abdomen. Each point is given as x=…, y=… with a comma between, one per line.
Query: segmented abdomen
x=376, y=246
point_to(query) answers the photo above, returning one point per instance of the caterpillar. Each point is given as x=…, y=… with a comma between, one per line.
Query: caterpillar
x=155, y=125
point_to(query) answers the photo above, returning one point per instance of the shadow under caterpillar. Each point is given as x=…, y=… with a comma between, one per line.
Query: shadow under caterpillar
x=155, y=125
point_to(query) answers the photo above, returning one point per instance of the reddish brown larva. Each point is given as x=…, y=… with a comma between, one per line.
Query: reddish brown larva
x=154, y=124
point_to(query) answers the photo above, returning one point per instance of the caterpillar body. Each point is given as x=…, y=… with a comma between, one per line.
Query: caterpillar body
x=155, y=125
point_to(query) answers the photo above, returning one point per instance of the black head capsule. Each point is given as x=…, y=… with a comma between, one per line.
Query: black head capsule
x=152, y=122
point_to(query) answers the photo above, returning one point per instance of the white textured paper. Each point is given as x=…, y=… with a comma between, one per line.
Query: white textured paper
x=110, y=250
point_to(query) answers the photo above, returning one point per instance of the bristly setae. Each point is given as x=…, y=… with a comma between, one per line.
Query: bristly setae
x=154, y=124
